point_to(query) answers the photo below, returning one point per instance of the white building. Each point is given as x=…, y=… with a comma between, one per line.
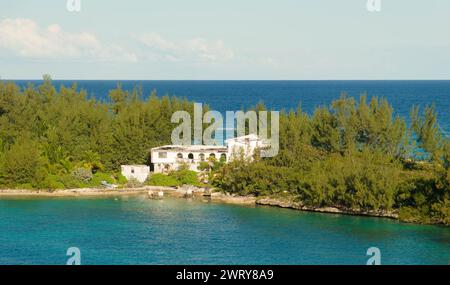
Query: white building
x=244, y=145
x=171, y=157
x=138, y=172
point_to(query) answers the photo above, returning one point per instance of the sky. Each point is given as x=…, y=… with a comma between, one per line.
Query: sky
x=223, y=40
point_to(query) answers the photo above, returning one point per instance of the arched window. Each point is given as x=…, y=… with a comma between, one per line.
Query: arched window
x=212, y=155
x=191, y=156
x=223, y=157
x=202, y=156
x=179, y=155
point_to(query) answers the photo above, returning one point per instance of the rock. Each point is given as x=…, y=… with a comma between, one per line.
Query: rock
x=290, y=203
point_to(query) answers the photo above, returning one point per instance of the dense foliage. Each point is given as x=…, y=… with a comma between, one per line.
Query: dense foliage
x=352, y=154
x=357, y=156
x=175, y=178
x=64, y=139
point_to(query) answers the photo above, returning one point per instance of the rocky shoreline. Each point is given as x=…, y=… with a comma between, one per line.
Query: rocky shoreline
x=290, y=204
x=194, y=192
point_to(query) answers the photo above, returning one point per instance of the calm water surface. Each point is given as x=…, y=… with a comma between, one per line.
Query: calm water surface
x=136, y=230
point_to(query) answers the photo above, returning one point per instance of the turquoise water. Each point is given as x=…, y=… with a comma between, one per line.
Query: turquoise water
x=136, y=230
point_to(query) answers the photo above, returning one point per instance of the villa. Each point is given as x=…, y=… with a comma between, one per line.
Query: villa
x=170, y=157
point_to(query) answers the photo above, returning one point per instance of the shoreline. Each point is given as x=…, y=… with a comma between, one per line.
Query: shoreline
x=217, y=197
x=77, y=192
x=287, y=203
x=290, y=204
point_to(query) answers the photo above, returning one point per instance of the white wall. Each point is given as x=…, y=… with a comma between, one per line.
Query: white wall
x=174, y=162
x=247, y=144
x=139, y=172
x=235, y=148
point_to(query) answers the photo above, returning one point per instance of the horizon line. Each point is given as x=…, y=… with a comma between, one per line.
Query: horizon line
x=80, y=79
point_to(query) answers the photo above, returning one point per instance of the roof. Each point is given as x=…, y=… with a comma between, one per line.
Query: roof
x=243, y=139
x=191, y=148
x=207, y=148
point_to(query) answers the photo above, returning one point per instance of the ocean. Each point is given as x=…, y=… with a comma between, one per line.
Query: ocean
x=137, y=230
x=278, y=95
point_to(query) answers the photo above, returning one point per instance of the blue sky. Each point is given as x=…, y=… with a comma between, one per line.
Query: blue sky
x=211, y=39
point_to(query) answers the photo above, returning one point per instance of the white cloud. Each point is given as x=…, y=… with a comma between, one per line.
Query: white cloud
x=25, y=38
x=192, y=49
x=154, y=40
x=210, y=50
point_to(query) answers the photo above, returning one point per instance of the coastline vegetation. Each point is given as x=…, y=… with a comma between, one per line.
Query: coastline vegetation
x=179, y=177
x=53, y=139
x=354, y=156
x=350, y=155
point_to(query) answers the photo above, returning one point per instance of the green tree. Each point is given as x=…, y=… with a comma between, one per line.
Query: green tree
x=22, y=164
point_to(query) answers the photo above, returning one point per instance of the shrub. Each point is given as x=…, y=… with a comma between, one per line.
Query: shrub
x=101, y=176
x=120, y=179
x=159, y=179
x=185, y=176
x=51, y=182
x=133, y=183
x=20, y=164
x=368, y=181
x=82, y=174
x=71, y=182
x=25, y=186
x=256, y=178
x=203, y=165
x=408, y=214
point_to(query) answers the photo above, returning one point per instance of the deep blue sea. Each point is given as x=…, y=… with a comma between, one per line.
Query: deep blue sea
x=277, y=95
x=136, y=230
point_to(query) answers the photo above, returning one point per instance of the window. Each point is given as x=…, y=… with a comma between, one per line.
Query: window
x=162, y=154
x=132, y=170
x=223, y=157
x=202, y=156
x=191, y=156
x=212, y=155
x=179, y=155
